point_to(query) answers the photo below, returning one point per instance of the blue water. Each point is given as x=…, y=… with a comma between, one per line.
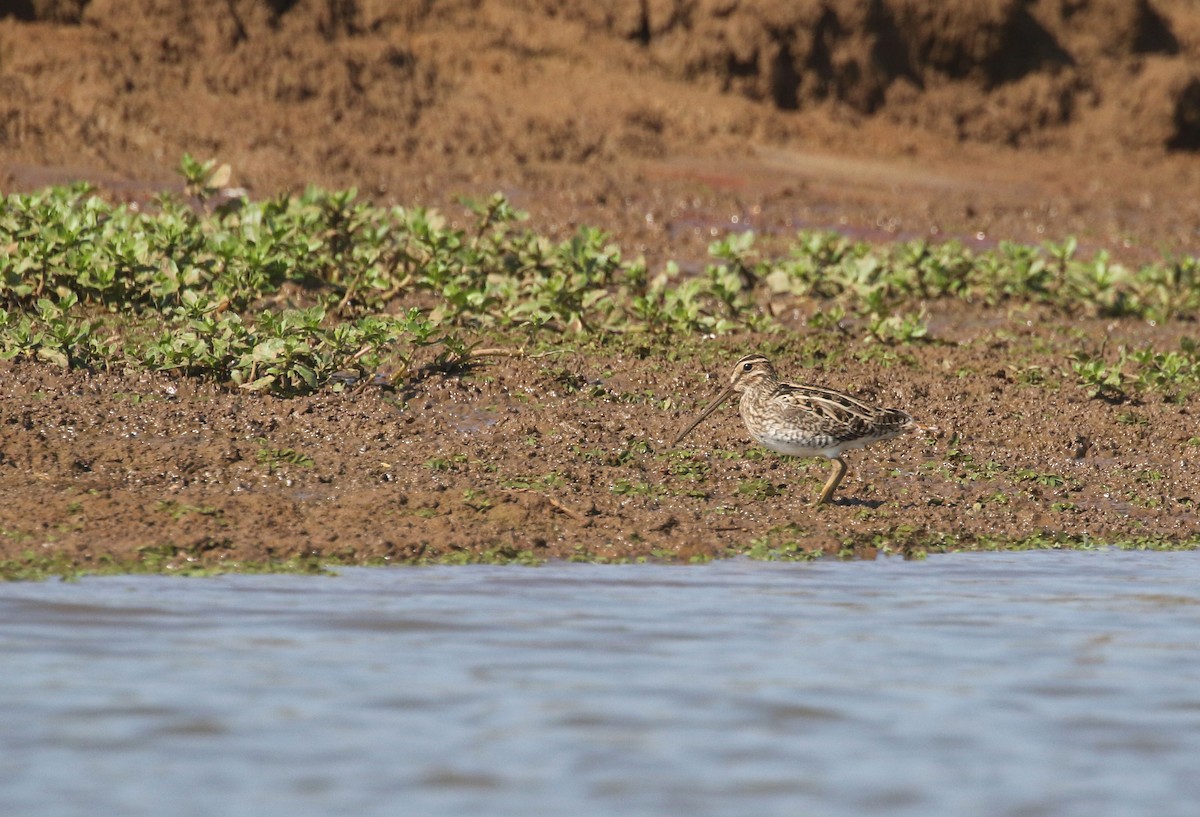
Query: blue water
x=1010, y=684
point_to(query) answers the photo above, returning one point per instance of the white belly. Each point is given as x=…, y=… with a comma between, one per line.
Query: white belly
x=821, y=445
x=813, y=445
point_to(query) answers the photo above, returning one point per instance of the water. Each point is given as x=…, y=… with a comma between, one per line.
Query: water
x=1019, y=684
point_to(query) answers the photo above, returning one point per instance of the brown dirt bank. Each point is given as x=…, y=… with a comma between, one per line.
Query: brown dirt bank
x=568, y=455
x=1022, y=119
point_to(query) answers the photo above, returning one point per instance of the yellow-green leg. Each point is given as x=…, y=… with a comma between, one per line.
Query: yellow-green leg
x=835, y=479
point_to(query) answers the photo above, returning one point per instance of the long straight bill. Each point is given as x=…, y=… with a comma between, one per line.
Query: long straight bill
x=709, y=409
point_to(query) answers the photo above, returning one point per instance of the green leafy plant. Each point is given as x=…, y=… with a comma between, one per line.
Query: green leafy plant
x=276, y=458
x=1100, y=378
x=313, y=291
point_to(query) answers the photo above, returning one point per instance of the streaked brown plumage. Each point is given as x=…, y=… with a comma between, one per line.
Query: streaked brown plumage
x=803, y=421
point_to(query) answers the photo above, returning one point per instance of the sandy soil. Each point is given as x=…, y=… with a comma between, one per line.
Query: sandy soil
x=664, y=124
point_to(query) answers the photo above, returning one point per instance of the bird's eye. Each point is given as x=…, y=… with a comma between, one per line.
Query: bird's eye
x=748, y=367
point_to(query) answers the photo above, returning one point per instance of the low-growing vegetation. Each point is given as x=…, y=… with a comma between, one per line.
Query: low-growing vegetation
x=300, y=293
x=1175, y=374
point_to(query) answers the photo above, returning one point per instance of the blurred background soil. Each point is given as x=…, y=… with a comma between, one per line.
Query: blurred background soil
x=665, y=122
x=659, y=120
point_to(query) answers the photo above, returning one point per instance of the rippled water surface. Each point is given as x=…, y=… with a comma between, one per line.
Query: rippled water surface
x=1017, y=684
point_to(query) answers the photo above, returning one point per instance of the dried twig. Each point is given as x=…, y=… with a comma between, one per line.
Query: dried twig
x=559, y=506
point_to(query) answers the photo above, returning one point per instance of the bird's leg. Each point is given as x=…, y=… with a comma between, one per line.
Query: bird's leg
x=835, y=479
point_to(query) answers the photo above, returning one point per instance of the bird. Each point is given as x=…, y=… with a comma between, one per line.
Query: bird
x=804, y=421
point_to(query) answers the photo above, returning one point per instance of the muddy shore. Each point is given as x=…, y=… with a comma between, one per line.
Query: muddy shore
x=666, y=141
x=568, y=456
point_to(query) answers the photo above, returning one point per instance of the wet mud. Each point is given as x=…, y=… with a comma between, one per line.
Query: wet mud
x=568, y=456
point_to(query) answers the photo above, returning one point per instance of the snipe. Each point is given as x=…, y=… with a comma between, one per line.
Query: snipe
x=804, y=421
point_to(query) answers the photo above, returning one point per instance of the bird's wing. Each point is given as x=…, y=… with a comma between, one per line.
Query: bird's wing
x=833, y=409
